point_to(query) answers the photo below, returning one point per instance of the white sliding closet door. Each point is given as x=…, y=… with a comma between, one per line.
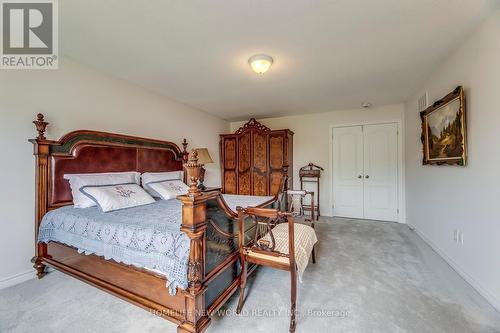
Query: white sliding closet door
x=348, y=171
x=365, y=172
x=381, y=172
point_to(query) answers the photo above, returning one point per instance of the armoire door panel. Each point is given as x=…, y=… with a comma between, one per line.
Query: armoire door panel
x=276, y=161
x=275, y=182
x=276, y=152
x=286, y=149
x=230, y=153
x=259, y=172
x=244, y=152
x=259, y=184
x=288, y=154
x=230, y=182
x=260, y=152
x=244, y=186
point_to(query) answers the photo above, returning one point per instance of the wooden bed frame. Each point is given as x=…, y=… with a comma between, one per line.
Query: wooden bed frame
x=213, y=268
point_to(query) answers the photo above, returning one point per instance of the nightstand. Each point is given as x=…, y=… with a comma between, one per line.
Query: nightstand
x=211, y=189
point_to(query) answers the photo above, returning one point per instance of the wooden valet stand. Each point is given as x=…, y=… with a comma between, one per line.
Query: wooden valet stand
x=311, y=174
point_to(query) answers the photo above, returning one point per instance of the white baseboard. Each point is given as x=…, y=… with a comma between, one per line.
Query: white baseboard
x=495, y=302
x=17, y=278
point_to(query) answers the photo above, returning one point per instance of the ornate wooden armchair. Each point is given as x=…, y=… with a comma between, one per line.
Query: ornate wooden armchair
x=295, y=200
x=278, y=243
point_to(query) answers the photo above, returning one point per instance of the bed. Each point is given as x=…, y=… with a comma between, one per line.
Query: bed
x=202, y=253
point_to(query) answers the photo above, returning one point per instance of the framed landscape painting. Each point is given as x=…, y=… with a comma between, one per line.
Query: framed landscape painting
x=444, y=130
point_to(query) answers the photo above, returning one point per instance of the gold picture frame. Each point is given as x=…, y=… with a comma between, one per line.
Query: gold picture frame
x=444, y=130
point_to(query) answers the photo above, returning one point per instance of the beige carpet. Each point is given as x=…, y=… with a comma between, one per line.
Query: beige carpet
x=370, y=277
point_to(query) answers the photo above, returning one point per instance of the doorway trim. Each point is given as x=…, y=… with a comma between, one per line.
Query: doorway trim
x=401, y=162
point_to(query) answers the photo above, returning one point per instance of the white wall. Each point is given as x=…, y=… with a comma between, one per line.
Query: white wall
x=443, y=198
x=77, y=97
x=311, y=142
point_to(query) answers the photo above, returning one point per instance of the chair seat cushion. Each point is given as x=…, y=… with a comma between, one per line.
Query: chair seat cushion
x=305, y=238
x=268, y=257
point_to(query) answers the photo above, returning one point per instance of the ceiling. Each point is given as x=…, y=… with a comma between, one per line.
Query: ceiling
x=329, y=55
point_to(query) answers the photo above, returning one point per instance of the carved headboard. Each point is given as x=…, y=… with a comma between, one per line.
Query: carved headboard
x=91, y=151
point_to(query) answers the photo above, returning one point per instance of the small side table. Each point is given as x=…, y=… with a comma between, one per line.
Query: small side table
x=211, y=189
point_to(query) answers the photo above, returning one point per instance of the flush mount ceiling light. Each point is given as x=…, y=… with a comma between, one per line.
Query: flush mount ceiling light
x=366, y=105
x=260, y=63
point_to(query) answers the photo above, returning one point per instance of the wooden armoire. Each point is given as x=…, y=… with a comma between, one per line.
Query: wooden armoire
x=255, y=158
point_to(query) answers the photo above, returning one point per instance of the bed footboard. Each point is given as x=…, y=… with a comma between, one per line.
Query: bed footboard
x=213, y=269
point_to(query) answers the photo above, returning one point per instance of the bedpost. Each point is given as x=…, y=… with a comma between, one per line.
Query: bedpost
x=194, y=224
x=185, y=153
x=41, y=151
x=185, y=157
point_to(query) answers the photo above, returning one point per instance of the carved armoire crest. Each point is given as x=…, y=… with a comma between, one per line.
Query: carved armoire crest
x=255, y=158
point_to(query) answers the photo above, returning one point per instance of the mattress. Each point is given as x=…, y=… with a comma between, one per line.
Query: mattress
x=147, y=236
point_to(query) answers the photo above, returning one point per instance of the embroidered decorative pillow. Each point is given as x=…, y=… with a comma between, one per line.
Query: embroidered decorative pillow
x=150, y=177
x=168, y=189
x=120, y=196
x=77, y=181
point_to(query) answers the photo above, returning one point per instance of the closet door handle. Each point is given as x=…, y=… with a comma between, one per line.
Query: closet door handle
x=359, y=177
x=367, y=176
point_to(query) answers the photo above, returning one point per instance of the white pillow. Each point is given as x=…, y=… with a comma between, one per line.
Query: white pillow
x=77, y=181
x=168, y=189
x=119, y=196
x=150, y=177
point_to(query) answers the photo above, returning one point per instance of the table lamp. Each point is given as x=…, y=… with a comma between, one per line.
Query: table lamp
x=203, y=158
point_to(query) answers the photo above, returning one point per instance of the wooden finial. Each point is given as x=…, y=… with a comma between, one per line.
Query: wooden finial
x=193, y=186
x=185, y=153
x=193, y=157
x=41, y=125
x=193, y=170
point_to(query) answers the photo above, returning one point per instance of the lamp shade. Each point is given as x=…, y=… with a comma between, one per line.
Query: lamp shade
x=203, y=156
